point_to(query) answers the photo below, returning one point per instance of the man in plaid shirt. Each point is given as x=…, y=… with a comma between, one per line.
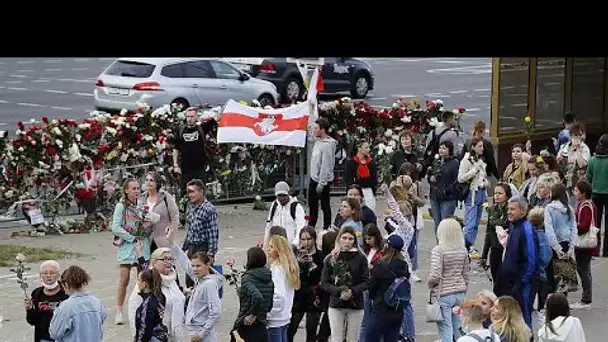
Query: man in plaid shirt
x=202, y=233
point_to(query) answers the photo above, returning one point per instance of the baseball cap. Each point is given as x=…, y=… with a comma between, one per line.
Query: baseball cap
x=281, y=188
x=395, y=241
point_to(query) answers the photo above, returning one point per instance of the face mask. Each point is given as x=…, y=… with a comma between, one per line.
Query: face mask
x=50, y=287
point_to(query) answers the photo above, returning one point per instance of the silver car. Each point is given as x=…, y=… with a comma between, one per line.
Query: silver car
x=183, y=81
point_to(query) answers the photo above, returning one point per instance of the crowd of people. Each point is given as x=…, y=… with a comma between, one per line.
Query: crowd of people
x=351, y=279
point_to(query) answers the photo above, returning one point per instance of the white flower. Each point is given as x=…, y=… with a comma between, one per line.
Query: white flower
x=78, y=137
x=32, y=121
x=54, y=121
x=389, y=149
x=257, y=197
x=396, y=105
x=439, y=102
x=9, y=194
x=456, y=112
x=395, y=137
x=437, y=156
x=433, y=122
x=256, y=103
x=33, y=142
x=361, y=129
x=111, y=130
x=21, y=149
x=124, y=157
x=161, y=111
x=56, y=131
x=58, y=142
x=345, y=99
x=392, y=144
x=388, y=133
x=406, y=119
x=123, y=111
x=142, y=106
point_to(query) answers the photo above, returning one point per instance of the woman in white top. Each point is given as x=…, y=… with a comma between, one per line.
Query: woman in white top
x=162, y=260
x=286, y=279
x=559, y=325
x=472, y=171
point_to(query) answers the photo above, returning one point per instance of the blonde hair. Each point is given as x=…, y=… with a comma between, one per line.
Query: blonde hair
x=449, y=234
x=487, y=294
x=547, y=179
x=286, y=259
x=158, y=254
x=511, y=325
x=536, y=216
x=125, y=186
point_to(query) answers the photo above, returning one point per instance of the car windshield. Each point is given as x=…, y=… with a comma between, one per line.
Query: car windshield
x=130, y=69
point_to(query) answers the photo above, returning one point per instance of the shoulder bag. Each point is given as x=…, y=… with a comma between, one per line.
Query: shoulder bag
x=433, y=309
x=589, y=239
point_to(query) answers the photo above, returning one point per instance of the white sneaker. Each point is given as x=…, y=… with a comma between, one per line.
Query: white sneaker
x=118, y=319
x=415, y=277
x=580, y=306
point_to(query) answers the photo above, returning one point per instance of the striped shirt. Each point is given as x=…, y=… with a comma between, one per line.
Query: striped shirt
x=450, y=266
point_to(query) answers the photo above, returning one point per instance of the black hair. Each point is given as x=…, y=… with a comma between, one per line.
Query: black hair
x=558, y=193
x=447, y=115
x=556, y=305
x=518, y=145
x=328, y=242
x=358, y=188
x=256, y=258
x=506, y=188
x=154, y=281
x=569, y=117
x=449, y=145
x=277, y=230
x=409, y=169
x=323, y=123
x=197, y=183
x=371, y=230
x=585, y=188
x=311, y=231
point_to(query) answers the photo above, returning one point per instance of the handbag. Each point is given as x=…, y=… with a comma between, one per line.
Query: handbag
x=588, y=239
x=433, y=309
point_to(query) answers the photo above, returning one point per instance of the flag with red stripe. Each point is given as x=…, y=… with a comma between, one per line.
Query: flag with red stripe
x=243, y=124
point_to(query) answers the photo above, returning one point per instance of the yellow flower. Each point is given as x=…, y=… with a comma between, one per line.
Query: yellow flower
x=527, y=119
x=306, y=84
x=540, y=160
x=475, y=256
x=485, y=205
x=244, y=103
x=358, y=234
x=150, y=152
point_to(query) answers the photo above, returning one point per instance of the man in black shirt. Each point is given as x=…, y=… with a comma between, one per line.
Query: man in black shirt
x=190, y=143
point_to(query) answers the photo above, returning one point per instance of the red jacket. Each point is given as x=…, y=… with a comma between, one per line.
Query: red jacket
x=583, y=222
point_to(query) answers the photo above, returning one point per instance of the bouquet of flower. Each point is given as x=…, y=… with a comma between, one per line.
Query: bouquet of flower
x=145, y=225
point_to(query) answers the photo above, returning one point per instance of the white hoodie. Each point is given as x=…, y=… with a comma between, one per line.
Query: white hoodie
x=568, y=329
x=282, y=299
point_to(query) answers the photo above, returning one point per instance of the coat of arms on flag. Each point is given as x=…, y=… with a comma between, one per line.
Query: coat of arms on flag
x=243, y=124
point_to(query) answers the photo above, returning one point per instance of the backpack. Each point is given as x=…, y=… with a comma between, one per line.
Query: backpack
x=478, y=338
x=398, y=293
x=433, y=148
x=292, y=210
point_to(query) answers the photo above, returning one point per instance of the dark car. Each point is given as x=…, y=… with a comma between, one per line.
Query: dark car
x=339, y=74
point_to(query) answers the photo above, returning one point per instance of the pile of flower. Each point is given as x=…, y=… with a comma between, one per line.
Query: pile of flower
x=54, y=160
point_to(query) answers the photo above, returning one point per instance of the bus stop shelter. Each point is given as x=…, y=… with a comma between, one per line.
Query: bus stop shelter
x=545, y=88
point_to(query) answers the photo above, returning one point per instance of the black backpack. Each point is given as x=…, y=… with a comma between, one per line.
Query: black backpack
x=292, y=210
x=433, y=148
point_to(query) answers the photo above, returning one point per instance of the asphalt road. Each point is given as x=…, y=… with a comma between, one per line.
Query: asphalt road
x=62, y=87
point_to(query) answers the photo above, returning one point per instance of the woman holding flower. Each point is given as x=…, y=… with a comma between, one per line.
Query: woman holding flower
x=479, y=130
x=345, y=278
x=306, y=299
x=405, y=153
x=497, y=217
x=162, y=203
x=125, y=224
x=472, y=172
x=442, y=177
x=515, y=173
x=286, y=279
x=362, y=170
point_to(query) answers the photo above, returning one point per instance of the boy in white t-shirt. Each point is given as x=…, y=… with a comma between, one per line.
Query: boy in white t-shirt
x=472, y=319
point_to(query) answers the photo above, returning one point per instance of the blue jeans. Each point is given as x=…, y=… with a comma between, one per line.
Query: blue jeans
x=278, y=334
x=472, y=215
x=412, y=250
x=408, y=327
x=367, y=313
x=442, y=210
x=382, y=328
x=449, y=328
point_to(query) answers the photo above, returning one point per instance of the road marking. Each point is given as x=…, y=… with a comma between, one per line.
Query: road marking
x=53, y=61
x=507, y=88
x=53, y=69
x=18, y=76
x=484, y=96
x=520, y=105
x=437, y=95
x=84, y=94
x=79, y=69
x=30, y=104
x=469, y=110
x=402, y=95
x=56, y=91
x=106, y=59
x=508, y=117
x=482, y=89
x=3, y=101
x=451, y=62
x=13, y=82
x=41, y=81
x=16, y=88
x=464, y=70
x=74, y=80
x=377, y=98
x=61, y=108
x=82, y=60
x=26, y=70
x=458, y=91
x=433, y=94
x=25, y=62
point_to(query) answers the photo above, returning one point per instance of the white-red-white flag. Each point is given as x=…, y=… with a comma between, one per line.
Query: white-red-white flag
x=243, y=124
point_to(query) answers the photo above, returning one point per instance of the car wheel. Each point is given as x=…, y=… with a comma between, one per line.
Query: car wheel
x=266, y=100
x=293, y=89
x=360, y=87
x=181, y=103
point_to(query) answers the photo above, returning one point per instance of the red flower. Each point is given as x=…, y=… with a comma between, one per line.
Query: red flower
x=20, y=125
x=38, y=181
x=461, y=109
x=83, y=193
x=45, y=120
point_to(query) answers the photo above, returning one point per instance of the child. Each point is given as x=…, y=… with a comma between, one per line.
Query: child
x=537, y=219
x=473, y=317
x=149, y=315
